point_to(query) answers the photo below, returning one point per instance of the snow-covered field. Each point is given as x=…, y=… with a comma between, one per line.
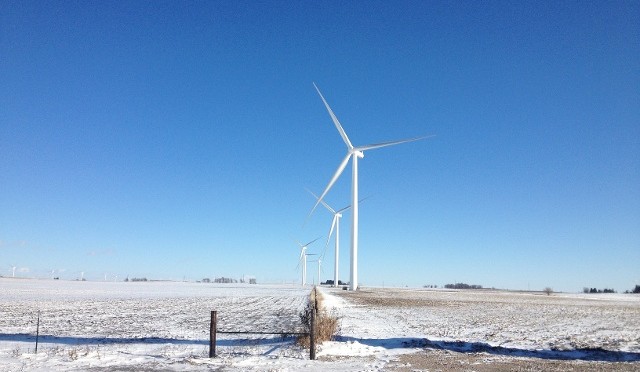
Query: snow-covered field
x=598, y=327
x=147, y=326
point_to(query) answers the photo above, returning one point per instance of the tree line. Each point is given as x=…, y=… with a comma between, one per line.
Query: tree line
x=463, y=286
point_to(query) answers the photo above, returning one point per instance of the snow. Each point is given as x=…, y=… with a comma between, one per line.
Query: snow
x=566, y=326
x=165, y=326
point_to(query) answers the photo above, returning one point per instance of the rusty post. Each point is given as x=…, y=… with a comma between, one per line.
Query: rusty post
x=212, y=334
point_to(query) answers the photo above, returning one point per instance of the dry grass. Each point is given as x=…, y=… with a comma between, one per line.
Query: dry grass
x=327, y=324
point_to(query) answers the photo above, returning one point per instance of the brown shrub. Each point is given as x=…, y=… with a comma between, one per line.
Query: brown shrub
x=327, y=323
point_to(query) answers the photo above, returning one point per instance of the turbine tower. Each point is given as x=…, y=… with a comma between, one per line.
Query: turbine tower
x=319, y=261
x=303, y=259
x=353, y=153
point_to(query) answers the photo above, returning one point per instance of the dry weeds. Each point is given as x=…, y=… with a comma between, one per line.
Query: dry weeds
x=327, y=324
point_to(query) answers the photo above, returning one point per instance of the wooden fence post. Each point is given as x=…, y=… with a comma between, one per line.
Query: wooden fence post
x=37, y=331
x=312, y=333
x=212, y=334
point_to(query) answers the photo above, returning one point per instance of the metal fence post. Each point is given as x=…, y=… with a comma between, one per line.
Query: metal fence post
x=212, y=334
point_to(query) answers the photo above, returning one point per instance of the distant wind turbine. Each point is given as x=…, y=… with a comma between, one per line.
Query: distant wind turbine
x=354, y=153
x=13, y=268
x=303, y=259
x=335, y=223
x=319, y=261
x=311, y=254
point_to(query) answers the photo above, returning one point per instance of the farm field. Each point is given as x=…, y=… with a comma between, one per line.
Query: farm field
x=151, y=326
x=492, y=330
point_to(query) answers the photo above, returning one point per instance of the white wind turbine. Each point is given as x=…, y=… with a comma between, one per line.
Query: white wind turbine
x=354, y=153
x=303, y=259
x=13, y=268
x=319, y=261
x=335, y=223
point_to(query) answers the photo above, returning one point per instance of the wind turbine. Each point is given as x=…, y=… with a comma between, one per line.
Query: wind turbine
x=319, y=261
x=303, y=259
x=353, y=152
x=13, y=268
x=335, y=223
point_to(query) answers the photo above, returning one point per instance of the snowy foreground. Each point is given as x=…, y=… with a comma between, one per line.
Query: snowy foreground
x=165, y=326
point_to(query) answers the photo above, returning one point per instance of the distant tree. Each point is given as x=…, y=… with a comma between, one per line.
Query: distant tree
x=585, y=290
x=548, y=290
x=206, y=280
x=596, y=290
x=253, y=281
x=463, y=286
x=636, y=289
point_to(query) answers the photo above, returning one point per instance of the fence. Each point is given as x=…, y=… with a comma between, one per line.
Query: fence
x=213, y=332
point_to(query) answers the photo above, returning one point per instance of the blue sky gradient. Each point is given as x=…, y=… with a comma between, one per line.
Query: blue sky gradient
x=175, y=139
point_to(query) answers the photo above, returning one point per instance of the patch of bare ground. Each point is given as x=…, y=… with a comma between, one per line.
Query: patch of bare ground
x=445, y=360
x=393, y=298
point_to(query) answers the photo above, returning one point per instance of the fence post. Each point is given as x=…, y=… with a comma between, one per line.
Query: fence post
x=312, y=332
x=212, y=334
x=37, y=331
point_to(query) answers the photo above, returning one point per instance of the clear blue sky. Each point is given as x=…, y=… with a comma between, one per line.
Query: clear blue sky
x=175, y=139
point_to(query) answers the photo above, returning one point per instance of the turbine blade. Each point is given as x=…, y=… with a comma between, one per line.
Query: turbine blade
x=297, y=242
x=308, y=244
x=343, y=134
x=390, y=143
x=333, y=225
x=349, y=206
x=321, y=201
x=343, y=209
x=298, y=265
x=332, y=181
x=327, y=206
